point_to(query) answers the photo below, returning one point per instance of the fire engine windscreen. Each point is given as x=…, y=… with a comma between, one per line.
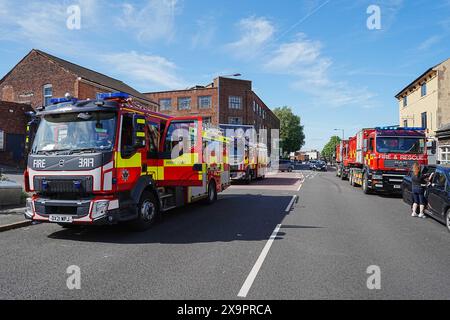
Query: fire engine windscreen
x=400, y=145
x=87, y=131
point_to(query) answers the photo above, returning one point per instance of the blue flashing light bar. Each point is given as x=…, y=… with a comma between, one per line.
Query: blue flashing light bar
x=62, y=100
x=399, y=128
x=112, y=95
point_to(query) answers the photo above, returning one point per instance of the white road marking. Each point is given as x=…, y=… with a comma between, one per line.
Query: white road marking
x=291, y=203
x=300, y=186
x=252, y=275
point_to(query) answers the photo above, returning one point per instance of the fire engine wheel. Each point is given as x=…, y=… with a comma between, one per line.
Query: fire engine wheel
x=147, y=212
x=212, y=193
x=365, y=184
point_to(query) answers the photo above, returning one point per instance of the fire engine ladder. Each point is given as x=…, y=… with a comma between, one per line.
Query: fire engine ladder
x=167, y=199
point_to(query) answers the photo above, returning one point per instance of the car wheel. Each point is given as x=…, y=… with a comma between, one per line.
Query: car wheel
x=447, y=220
x=148, y=212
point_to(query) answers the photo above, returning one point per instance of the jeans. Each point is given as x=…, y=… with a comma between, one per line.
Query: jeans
x=419, y=195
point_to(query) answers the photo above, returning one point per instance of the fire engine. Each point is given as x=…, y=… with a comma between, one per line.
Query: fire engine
x=379, y=158
x=110, y=160
x=341, y=156
x=248, y=158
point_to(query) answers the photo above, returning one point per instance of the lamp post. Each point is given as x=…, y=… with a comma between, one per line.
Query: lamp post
x=342, y=133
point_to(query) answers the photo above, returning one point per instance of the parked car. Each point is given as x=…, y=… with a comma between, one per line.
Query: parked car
x=320, y=166
x=286, y=165
x=311, y=164
x=437, y=193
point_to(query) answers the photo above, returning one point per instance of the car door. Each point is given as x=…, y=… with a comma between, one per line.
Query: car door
x=437, y=193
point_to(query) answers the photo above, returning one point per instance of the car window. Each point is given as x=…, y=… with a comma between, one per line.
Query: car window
x=439, y=180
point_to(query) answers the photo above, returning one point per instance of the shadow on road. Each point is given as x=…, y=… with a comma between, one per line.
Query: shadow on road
x=232, y=218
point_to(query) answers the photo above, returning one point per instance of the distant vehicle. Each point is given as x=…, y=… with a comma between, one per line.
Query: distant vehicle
x=320, y=166
x=312, y=163
x=437, y=193
x=286, y=165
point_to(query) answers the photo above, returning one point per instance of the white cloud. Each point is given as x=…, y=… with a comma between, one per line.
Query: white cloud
x=147, y=70
x=206, y=29
x=303, y=59
x=154, y=21
x=255, y=33
x=428, y=43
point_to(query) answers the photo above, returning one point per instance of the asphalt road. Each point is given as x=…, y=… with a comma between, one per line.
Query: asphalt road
x=246, y=242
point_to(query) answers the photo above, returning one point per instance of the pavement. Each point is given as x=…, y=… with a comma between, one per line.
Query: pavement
x=304, y=235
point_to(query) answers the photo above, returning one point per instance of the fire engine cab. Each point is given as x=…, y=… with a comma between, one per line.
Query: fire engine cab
x=110, y=160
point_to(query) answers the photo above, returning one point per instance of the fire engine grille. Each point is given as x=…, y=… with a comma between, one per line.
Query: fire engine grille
x=66, y=185
x=398, y=163
x=59, y=209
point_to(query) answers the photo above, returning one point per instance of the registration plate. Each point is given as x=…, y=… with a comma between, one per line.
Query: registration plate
x=397, y=187
x=60, y=219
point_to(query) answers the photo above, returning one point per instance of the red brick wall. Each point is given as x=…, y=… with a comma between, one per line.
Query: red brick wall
x=26, y=81
x=12, y=121
x=194, y=94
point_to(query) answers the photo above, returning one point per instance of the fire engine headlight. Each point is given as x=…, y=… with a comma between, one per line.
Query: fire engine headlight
x=29, y=208
x=100, y=209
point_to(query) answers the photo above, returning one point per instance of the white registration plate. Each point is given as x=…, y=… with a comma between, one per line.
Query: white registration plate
x=397, y=187
x=60, y=219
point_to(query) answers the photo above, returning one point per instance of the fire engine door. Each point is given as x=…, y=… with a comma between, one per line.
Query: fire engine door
x=182, y=152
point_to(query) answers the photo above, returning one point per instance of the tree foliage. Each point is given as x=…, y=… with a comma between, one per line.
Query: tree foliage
x=330, y=148
x=291, y=131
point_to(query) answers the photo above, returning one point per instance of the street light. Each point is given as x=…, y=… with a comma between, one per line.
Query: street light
x=342, y=133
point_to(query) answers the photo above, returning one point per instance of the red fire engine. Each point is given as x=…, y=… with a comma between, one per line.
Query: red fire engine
x=379, y=158
x=341, y=157
x=110, y=160
x=248, y=159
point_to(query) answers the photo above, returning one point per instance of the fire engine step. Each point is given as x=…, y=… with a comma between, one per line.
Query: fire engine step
x=165, y=209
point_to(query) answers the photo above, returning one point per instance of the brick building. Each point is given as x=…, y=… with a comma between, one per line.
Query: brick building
x=40, y=76
x=12, y=132
x=224, y=101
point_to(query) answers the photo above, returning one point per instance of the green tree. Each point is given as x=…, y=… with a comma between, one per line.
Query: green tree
x=291, y=131
x=330, y=148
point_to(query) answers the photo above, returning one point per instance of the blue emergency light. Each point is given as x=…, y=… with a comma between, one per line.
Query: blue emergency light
x=112, y=95
x=399, y=128
x=62, y=100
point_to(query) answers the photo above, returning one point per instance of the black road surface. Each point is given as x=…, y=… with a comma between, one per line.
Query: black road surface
x=322, y=250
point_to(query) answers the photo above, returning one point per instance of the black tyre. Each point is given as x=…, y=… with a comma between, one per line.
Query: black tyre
x=212, y=193
x=365, y=184
x=148, y=212
x=447, y=219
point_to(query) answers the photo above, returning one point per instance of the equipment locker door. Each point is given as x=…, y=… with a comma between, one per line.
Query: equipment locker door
x=181, y=155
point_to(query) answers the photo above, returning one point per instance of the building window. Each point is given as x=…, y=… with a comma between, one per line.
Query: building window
x=235, y=102
x=204, y=102
x=207, y=120
x=405, y=123
x=2, y=140
x=423, y=89
x=184, y=103
x=165, y=104
x=444, y=154
x=48, y=94
x=254, y=106
x=424, y=120
x=405, y=101
x=234, y=120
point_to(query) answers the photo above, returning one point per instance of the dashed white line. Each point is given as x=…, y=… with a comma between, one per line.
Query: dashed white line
x=291, y=203
x=251, y=277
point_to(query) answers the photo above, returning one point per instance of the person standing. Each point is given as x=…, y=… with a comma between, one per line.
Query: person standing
x=418, y=191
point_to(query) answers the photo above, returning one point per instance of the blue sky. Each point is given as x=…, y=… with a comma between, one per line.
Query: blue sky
x=317, y=56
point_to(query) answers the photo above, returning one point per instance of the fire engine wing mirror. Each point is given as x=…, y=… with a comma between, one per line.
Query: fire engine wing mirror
x=138, y=131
